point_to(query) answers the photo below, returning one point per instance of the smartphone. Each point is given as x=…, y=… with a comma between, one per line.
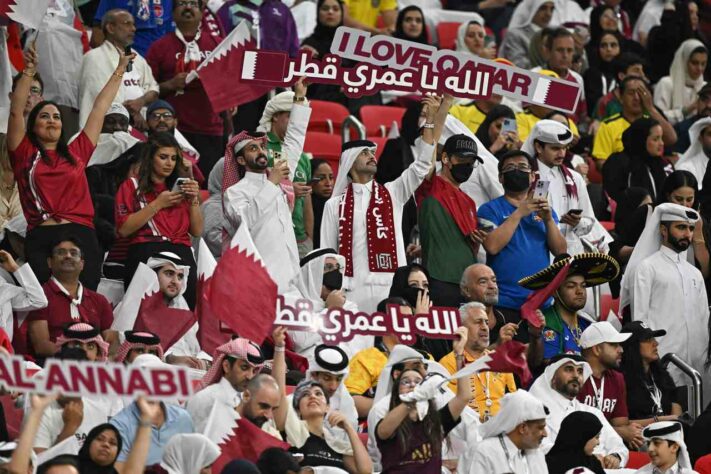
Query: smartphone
x=509, y=125
x=178, y=182
x=127, y=51
x=577, y=212
x=541, y=189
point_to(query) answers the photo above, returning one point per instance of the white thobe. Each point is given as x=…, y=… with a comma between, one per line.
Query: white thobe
x=489, y=456
x=201, y=404
x=675, y=469
x=367, y=288
x=28, y=296
x=96, y=69
x=696, y=165
x=669, y=293
x=561, y=203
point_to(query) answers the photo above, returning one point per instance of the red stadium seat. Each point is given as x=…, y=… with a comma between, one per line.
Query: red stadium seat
x=324, y=145
x=608, y=225
x=703, y=465
x=637, y=460
x=447, y=34
x=378, y=119
x=593, y=174
x=327, y=116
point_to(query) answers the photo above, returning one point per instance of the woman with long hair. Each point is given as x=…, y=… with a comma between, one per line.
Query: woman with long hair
x=49, y=171
x=157, y=211
x=100, y=450
x=490, y=131
x=651, y=394
x=600, y=78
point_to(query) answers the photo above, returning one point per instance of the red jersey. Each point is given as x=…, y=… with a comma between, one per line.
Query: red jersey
x=171, y=224
x=93, y=308
x=165, y=56
x=57, y=189
x=611, y=386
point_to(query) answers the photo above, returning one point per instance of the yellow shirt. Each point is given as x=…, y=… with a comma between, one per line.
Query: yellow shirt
x=469, y=115
x=608, y=139
x=497, y=383
x=364, y=370
x=367, y=11
x=526, y=121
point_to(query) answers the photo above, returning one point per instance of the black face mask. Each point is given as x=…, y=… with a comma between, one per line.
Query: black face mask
x=462, y=171
x=410, y=294
x=333, y=280
x=516, y=180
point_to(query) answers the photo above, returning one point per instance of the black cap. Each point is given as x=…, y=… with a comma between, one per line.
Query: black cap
x=641, y=332
x=461, y=145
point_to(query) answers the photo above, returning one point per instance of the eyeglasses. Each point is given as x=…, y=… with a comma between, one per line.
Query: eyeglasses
x=329, y=267
x=187, y=3
x=163, y=115
x=36, y=91
x=74, y=253
x=525, y=168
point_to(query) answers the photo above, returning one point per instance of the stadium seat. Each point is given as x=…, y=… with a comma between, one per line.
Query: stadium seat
x=327, y=116
x=703, y=464
x=593, y=174
x=608, y=225
x=447, y=34
x=379, y=118
x=324, y=145
x=637, y=460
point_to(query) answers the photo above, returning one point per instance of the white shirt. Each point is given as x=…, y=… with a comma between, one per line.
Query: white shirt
x=490, y=457
x=663, y=93
x=96, y=69
x=97, y=410
x=562, y=203
x=201, y=404
x=675, y=469
x=696, y=165
x=367, y=288
x=669, y=293
x=24, y=298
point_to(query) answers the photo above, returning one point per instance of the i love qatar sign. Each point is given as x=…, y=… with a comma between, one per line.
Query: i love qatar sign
x=386, y=63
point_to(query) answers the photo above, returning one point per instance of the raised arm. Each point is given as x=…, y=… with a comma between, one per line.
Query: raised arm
x=279, y=374
x=21, y=455
x=295, y=136
x=136, y=462
x=464, y=388
x=103, y=101
x=18, y=100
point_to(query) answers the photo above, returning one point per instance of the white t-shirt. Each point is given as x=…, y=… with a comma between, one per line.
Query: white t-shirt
x=131, y=85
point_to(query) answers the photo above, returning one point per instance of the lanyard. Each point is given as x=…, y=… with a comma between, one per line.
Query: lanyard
x=656, y=396
x=598, y=394
x=508, y=457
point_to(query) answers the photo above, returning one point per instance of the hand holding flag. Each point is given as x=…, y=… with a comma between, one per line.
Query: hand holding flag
x=509, y=357
x=536, y=299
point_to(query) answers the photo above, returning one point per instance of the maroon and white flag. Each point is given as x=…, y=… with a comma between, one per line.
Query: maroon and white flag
x=27, y=12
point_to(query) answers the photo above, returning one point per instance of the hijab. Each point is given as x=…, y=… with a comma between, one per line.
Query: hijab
x=399, y=286
x=460, y=45
x=629, y=216
x=494, y=114
x=323, y=35
x=576, y=430
x=679, y=73
x=399, y=30
x=641, y=163
x=188, y=453
x=88, y=466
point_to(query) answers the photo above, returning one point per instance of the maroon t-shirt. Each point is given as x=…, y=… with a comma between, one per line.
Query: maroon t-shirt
x=165, y=56
x=93, y=309
x=57, y=189
x=614, y=394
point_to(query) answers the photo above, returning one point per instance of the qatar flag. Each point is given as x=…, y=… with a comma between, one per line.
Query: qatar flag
x=219, y=73
x=28, y=12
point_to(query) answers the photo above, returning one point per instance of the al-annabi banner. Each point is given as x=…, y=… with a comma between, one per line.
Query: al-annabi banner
x=386, y=63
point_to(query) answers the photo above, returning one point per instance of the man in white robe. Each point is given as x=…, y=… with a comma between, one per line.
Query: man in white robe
x=548, y=142
x=696, y=158
x=512, y=439
x=557, y=389
x=26, y=296
x=363, y=219
x=665, y=291
x=262, y=199
x=666, y=447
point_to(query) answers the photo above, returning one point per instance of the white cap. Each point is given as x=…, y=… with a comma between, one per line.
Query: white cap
x=597, y=333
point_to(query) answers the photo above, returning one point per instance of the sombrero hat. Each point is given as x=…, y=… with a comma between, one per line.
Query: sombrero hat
x=596, y=268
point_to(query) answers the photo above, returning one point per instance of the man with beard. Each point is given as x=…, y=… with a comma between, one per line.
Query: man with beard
x=564, y=324
x=696, y=158
x=487, y=387
x=557, y=388
x=605, y=388
x=235, y=363
x=260, y=400
x=447, y=220
x=664, y=290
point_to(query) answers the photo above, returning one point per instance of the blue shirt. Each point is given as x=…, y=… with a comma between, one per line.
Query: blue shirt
x=526, y=253
x=154, y=18
x=177, y=421
x=571, y=345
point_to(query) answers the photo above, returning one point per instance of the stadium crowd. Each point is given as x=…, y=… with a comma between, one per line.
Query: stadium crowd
x=118, y=180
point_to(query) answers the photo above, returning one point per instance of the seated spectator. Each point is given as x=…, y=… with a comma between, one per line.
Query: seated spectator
x=535, y=14
x=164, y=423
x=87, y=338
x=625, y=64
x=519, y=429
x=684, y=127
x=363, y=14
x=27, y=295
x=410, y=25
x=473, y=113
x=260, y=400
x=491, y=135
x=579, y=436
x=557, y=388
x=190, y=453
x=676, y=94
x=212, y=213
x=68, y=301
x=640, y=164
x=695, y=159
x=471, y=39
x=138, y=88
x=234, y=364
x=488, y=387
x=53, y=187
x=158, y=212
x=525, y=232
x=100, y=450
x=329, y=367
x=322, y=187
x=317, y=432
x=666, y=448
x=599, y=79
x=651, y=394
x=138, y=343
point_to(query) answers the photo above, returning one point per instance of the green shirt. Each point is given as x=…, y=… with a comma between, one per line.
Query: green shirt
x=302, y=175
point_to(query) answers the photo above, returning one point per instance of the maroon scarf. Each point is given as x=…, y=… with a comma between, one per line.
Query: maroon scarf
x=380, y=228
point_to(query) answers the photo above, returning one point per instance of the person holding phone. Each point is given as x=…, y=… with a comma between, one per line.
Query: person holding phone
x=159, y=209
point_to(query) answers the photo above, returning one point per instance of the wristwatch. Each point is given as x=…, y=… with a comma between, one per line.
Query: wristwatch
x=299, y=99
